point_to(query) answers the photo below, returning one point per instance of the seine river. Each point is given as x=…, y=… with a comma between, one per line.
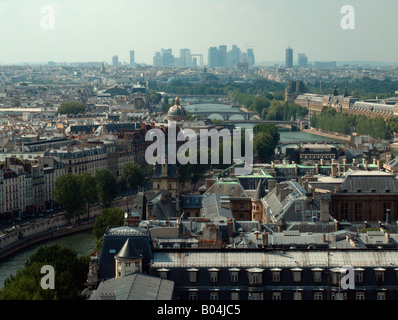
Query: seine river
x=84, y=243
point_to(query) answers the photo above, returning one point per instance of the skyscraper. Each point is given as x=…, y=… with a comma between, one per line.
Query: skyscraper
x=222, y=56
x=212, y=57
x=132, y=58
x=115, y=61
x=167, y=57
x=185, y=58
x=302, y=60
x=157, y=60
x=289, y=58
x=233, y=56
x=250, y=57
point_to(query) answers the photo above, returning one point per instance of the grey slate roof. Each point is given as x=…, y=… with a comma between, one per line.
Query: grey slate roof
x=230, y=189
x=135, y=287
x=163, y=209
x=369, y=181
x=128, y=251
x=213, y=209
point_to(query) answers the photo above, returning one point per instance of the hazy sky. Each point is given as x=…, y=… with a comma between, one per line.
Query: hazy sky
x=95, y=30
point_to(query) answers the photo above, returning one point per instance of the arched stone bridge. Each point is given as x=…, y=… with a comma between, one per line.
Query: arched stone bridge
x=294, y=125
x=226, y=115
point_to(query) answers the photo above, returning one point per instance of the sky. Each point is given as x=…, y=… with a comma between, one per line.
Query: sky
x=95, y=30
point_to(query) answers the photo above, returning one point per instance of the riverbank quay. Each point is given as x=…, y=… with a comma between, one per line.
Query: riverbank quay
x=21, y=242
x=21, y=236
x=332, y=135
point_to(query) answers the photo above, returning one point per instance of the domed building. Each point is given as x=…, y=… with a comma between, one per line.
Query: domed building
x=177, y=112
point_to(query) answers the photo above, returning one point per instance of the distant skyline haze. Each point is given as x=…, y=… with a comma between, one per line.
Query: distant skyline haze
x=97, y=30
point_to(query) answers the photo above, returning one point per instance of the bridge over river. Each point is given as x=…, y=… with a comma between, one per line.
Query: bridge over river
x=230, y=113
x=301, y=124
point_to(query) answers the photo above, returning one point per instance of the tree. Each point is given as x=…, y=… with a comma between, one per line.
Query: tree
x=154, y=97
x=133, y=175
x=70, y=273
x=89, y=190
x=68, y=193
x=71, y=108
x=270, y=129
x=260, y=103
x=107, y=186
x=108, y=217
x=263, y=145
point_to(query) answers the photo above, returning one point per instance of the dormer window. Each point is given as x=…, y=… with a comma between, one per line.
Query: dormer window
x=234, y=274
x=276, y=274
x=359, y=275
x=379, y=272
x=255, y=275
x=163, y=272
x=193, y=275
x=336, y=276
x=296, y=274
x=317, y=274
x=213, y=273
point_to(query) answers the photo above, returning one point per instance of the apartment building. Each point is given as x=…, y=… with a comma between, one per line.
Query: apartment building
x=53, y=168
x=81, y=159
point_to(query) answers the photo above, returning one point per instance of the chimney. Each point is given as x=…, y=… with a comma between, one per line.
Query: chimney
x=345, y=165
x=336, y=225
x=265, y=239
x=271, y=185
x=308, y=201
x=387, y=237
x=278, y=189
x=230, y=227
x=284, y=193
x=334, y=169
x=324, y=210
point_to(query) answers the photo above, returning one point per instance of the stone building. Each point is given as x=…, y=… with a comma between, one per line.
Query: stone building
x=177, y=112
x=294, y=89
x=366, y=196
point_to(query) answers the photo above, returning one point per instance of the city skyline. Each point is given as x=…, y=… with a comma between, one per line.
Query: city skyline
x=95, y=30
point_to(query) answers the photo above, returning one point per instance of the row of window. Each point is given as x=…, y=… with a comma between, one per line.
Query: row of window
x=255, y=275
x=193, y=294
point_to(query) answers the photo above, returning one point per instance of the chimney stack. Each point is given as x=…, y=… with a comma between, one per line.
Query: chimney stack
x=265, y=239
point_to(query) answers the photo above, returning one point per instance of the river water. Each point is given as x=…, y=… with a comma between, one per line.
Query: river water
x=84, y=243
